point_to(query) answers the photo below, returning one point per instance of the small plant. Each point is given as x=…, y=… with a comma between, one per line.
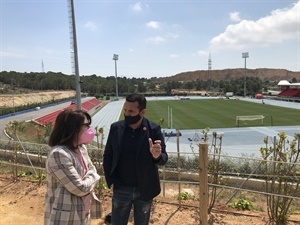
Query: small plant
x=295, y=212
x=242, y=204
x=21, y=174
x=29, y=175
x=184, y=196
x=102, y=184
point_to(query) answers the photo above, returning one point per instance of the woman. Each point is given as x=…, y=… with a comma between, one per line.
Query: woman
x=70, y=174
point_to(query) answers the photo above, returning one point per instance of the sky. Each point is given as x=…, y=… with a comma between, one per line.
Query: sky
x=155, y=38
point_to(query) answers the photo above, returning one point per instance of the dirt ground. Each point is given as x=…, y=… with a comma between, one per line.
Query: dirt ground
x=23, y=99
x=22, y=203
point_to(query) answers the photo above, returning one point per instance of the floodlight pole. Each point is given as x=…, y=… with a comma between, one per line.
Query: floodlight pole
x=245, y=55
x=116, y=57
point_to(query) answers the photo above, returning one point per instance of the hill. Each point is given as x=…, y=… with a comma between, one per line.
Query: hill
x=18, y=99
x=218, y=75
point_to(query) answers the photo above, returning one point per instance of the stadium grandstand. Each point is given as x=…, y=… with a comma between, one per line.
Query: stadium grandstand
x=92, y=104
x=289, y=91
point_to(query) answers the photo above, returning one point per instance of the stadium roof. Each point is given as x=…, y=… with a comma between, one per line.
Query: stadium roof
x=283, y=82
x=286, y=83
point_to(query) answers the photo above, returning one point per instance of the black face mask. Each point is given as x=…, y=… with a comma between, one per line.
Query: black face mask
x=132, y=119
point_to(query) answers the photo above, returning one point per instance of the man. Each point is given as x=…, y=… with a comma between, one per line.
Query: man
x=135, y=147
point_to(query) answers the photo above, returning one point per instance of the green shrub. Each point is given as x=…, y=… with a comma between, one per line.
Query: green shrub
x=185, y=196
x=242, y=204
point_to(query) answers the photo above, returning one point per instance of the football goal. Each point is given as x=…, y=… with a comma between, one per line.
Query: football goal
x=249, y=117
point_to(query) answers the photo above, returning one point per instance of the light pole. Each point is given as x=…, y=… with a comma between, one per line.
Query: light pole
x=116, y=57
x=245, y=55
x=74, y=53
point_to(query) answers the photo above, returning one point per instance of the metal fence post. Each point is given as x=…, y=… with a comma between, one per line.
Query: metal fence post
x=178, y=167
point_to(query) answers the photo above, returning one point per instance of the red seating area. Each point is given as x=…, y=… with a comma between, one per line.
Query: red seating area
x=50, y=118
x=86, y=106
x=290, y=93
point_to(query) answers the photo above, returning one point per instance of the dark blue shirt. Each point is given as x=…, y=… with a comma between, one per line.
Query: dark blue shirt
x=126, y=168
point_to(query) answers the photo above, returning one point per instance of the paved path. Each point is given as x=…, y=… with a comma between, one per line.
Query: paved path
x=106, y=116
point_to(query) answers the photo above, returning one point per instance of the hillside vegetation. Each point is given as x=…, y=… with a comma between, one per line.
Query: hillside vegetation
x=214, y=82
x=218, y=75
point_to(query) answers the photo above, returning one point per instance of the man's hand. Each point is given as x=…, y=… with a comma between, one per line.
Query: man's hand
x=155, y=148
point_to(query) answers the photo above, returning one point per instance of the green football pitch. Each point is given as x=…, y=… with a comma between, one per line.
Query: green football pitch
x=218, y=113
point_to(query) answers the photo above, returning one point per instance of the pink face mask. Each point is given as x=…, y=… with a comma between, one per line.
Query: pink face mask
x=86, y=136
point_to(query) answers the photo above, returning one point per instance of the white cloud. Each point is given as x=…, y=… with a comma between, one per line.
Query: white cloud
x=174, y=56
x=235, y=16
x=137, y=7
x=281, y=25
x=130, y=49
x=90, y=26
x=153, y=24
x=172, y=35
x=11, y=55
x=155, y=40
x=202, y=53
